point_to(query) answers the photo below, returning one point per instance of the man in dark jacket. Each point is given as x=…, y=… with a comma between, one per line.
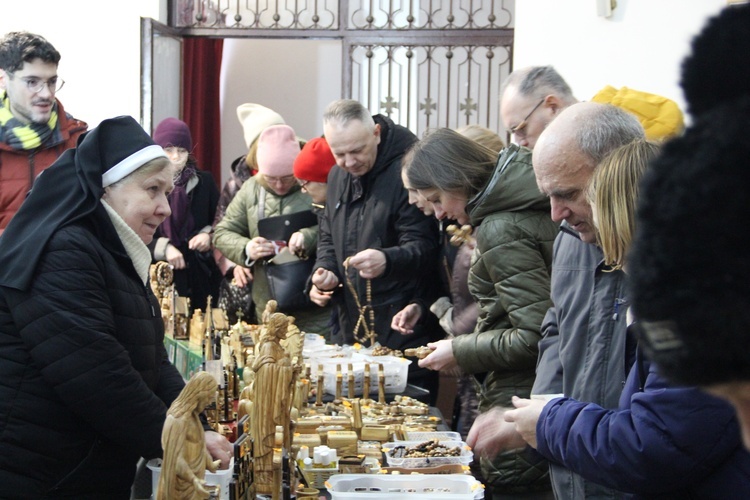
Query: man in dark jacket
x=34, y=127
x=370, y=232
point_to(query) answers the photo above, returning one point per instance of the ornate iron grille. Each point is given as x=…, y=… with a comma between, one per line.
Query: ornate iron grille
x=359, y=15
x=424, y=63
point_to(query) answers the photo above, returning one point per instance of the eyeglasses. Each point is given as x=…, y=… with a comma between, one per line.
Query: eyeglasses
x=36, y=85
x=279, y=180
x=302, y=183
x=519, y=128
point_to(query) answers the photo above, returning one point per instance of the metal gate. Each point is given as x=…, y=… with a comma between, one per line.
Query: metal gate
x=424, y=63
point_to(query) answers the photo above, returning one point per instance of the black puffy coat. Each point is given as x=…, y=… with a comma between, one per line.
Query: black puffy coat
x=84, y=377
x=381, y=218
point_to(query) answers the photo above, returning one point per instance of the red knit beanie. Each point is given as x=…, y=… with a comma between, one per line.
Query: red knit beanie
x=277, y=149
x=314, y=161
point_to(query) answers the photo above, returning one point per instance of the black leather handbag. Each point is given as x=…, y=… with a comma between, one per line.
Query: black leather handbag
x=287, y=281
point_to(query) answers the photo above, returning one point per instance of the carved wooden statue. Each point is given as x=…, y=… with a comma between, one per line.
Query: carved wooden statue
x=272, y=390
x=185, y=456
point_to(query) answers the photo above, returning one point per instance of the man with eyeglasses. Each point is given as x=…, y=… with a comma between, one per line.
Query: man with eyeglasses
x=531, y=99
x=34, y=127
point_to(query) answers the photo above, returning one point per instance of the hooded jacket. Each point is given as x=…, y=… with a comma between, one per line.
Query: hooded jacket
x=509, y=279
x=379, y=217
x=663, y=442
x=19, y=168
x=584, y=353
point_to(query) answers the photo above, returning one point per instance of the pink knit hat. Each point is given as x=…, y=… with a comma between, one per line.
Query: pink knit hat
x=277, y=149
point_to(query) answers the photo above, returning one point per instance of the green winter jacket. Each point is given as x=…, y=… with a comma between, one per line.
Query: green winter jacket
x=510, y=281
x=240, y=225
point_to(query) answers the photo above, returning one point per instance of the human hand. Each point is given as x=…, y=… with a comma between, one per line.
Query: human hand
x=242, y=276
x=490, y=434
x=405, y=320
x=174, y=257
x=320, y=298
x=442, y=356
x=219, y=448
x=370, y=263
x=525, y=417
x=297, y=244
x=200, y=242
x=259, y=248
x=324, y=280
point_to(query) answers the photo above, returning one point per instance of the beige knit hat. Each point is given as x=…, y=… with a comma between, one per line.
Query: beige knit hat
x=255, y=118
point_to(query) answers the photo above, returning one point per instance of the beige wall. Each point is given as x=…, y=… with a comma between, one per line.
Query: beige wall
x=295, y=78
x=640, y=46
x=100, y=61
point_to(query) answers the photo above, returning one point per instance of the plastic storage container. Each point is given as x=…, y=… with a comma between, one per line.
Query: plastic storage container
x=382, y=486
x=395, y=370
x=426, y=436
x=464, y=458
x=221, y=478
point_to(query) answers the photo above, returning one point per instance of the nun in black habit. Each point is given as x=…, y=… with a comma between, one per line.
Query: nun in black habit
x=85, y=382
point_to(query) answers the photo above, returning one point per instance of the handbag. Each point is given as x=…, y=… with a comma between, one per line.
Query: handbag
x=287, y=274
x=287, y=283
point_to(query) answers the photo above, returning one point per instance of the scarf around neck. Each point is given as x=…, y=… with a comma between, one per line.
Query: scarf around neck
x=26, y=136
x=180, y=224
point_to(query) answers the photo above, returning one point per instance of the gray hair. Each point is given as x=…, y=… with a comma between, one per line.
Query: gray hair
x=343, y=111
x=607, y=128
x=540, y=81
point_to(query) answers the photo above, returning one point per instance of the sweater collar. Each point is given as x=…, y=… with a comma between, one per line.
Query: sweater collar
x=134, y=246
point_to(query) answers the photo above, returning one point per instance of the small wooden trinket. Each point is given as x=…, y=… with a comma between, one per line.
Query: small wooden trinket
x=418, y=352
x=459, y=235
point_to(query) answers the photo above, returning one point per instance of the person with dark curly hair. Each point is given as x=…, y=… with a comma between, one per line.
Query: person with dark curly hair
x=34, y=127
x=691, y=266
x=716, y=70
x=691, y=271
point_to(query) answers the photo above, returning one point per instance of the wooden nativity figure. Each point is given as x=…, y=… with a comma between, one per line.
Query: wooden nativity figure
x=186, y=459
x=272, y=399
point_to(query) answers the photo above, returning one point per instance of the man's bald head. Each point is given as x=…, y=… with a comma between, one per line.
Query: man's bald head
x=569, y=150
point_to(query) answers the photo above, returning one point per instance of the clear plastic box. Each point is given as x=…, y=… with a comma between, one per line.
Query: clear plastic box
x=426, y=436
x=221, y=478
x=464, y=458
x=382, y=486
x=395, y=370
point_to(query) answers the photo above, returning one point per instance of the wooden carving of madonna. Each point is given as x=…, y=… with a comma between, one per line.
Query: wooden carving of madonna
x=186, y=459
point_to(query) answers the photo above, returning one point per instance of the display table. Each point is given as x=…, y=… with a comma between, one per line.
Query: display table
x=186, y=357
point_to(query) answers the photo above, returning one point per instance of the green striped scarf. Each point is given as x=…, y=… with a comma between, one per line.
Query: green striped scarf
x=26, y=136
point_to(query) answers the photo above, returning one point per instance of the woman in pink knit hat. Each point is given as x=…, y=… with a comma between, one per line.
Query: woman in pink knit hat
x=272, y=192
